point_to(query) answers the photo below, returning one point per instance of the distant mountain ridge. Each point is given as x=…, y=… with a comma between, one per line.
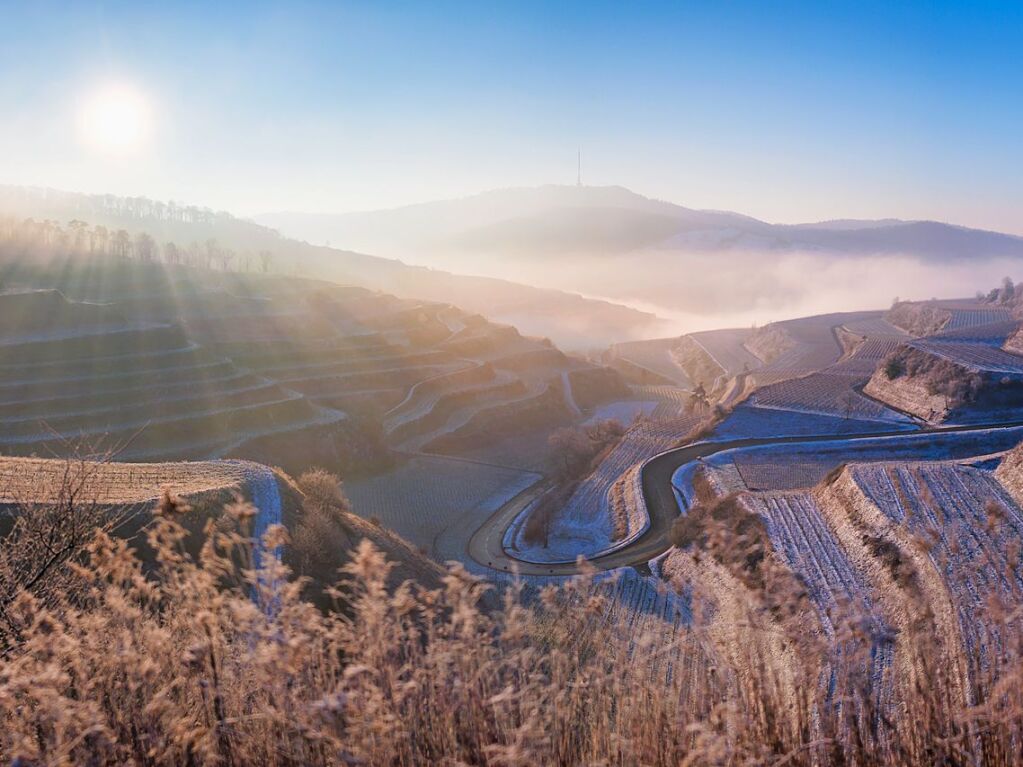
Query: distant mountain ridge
x=595, y=220
x=571, y=320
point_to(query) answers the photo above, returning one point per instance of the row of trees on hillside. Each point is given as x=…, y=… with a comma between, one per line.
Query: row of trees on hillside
x=77, y=237
x=99, y=206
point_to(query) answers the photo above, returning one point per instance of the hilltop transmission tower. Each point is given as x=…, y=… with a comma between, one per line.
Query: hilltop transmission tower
x=578, y=167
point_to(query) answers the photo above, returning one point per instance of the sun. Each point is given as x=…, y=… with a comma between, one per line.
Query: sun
x=115, y=118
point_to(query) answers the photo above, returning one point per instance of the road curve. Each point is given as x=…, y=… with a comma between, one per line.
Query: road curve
x=486, y=546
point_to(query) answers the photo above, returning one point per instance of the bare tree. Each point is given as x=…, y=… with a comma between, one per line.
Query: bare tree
x=145, y=247
x=122, y=243
x=212, y=252
x=171, y=254
x=78, y=230
x=225, y=256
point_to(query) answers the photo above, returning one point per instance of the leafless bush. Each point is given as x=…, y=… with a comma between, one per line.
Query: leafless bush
x=579, y=450
x=45, y=537
x=578, y=447
x=320, y=541
x=957, y=384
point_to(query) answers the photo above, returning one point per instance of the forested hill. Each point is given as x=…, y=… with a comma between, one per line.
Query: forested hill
x=570, y=320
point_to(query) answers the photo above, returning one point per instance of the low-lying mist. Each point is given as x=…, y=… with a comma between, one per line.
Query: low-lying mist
x=702, y=291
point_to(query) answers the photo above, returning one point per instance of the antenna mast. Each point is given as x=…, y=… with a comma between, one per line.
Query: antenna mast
x=579, y=167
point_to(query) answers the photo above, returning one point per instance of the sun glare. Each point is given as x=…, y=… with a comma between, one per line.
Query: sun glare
x=115, y=118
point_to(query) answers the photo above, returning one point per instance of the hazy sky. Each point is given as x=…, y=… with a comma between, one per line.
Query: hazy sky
x=785, y=111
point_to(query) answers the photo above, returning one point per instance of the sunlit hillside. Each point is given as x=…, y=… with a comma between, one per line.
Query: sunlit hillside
x=500, y=385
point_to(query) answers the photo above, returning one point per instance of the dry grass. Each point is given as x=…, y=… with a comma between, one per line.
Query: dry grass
x=180, y=664
x=42, y=480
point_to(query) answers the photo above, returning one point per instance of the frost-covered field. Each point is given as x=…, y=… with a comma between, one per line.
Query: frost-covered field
x=727, y=348
x=799, y=532
x=993, y=333
x=530, y=451
x=981, y=357
x=785, y=467
x=750, y=421
x=655, y=356
x=905, y=525
x=976, y=553
x=970, y=318
x=826, y=394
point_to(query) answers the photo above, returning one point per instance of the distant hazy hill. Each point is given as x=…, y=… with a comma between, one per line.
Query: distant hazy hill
x=568, y=318
x=707, y=268
x=593, y=220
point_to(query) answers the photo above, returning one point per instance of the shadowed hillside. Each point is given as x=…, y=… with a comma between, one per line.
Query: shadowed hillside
x=218, y=239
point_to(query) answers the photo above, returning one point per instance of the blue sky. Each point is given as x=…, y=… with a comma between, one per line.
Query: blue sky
x=785, y=111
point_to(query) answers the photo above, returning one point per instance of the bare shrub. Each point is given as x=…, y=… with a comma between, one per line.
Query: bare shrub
x=959, y=385
x=900, y=568
x=579, y=450
x=45, y=538
x=578, y=447
x=320, y=541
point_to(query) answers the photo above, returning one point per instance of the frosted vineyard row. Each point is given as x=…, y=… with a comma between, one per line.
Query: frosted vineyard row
x=628, y=410
x=829, y=390
x=975, y=356
x=672, y=401
x=874, y=327
x=993, y=333
x=823, y=393
x=866, y=357
x=727, y=348
x=968, y=318
x=813, y=345
x=759, y=474
x=806, y=356
x=947, y=505
x=584, y=525
x=655, y=356
x=788, y=467
x=804, y=540
x=648, y=609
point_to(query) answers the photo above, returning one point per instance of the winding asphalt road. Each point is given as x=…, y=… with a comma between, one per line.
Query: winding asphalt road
x=486, y=545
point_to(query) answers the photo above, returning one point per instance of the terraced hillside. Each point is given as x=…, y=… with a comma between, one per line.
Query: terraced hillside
x=40, y=480
x=605, y=508
x=130, y=491
x=804, y=464
x=144, y=389
x=894, y=548
x=924, y=318
x=809, y=366
x=952, y=377
x=781, y=351
x=649, y=362
x=159, y=362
